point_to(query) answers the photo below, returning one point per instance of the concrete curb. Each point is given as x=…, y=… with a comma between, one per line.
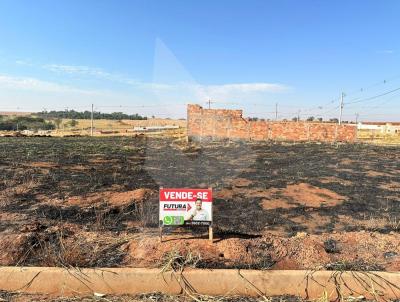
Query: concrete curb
x=118, y=281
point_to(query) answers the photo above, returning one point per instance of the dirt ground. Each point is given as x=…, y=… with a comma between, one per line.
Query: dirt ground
x=94, y=202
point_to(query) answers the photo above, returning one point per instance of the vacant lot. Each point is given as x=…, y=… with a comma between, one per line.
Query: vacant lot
x=94, y=202
x=121, y=127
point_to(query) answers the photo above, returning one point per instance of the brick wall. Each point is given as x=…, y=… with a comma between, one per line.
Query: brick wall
x=230, y=124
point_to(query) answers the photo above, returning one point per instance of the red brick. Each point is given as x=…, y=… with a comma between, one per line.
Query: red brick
x=229, y=124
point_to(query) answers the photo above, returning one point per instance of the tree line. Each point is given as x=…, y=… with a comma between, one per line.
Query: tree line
x=25, y=123
x=72, y=114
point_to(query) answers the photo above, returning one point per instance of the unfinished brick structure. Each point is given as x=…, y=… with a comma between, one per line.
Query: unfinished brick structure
x=229, y=124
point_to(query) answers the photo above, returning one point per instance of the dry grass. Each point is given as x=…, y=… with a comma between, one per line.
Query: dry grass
x=177, y=262
x=378, y=138
x=127, y=124
x=17, y=185
x=373, y=223
x=57, y=247
x=372, y=284
x=146, y=213
x=152, y=297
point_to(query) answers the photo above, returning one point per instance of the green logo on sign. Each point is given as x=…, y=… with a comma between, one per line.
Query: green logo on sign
x=174, y=220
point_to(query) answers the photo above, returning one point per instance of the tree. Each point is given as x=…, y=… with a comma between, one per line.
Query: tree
x=310, y=119
x=334, y=120
x=72, y=123
x=295, y=119
x=58, y=121
x=320, y=119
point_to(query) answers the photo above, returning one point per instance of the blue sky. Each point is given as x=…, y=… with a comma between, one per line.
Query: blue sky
x=153, y=57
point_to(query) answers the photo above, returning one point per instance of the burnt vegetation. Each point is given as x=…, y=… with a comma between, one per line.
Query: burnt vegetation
x=39, y=176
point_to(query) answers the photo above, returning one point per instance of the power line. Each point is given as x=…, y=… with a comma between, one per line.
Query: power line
x=372, y=97
x=360, y=90
x=379, y=104
x=269, y=112
x=322, y=106
x=357, y=100
x=241, y=104
x=142, y=106
x=329, y=111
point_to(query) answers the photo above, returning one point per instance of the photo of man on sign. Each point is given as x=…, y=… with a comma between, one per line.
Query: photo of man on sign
x=198, y=213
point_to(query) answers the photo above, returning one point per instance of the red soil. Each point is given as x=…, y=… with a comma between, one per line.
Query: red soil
x=299, y=252
x=114, y=198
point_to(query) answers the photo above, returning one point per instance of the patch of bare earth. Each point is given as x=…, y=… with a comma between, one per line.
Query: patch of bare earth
x=301, y=195
x=372, y=173
x=314, y=222
x=102, y=161
x=40, y=164
x=114, y=198
x=299, y=252
x=241, y=182
x=391, y=186
x=230, y=252
x=291, y=196
x=333, y=179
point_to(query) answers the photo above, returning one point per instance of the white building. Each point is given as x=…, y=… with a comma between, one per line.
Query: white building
x=380, y=127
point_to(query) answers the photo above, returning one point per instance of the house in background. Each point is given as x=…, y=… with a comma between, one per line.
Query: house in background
x=380, y=127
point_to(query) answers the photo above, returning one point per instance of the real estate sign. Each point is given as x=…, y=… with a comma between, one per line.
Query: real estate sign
x=180, y=207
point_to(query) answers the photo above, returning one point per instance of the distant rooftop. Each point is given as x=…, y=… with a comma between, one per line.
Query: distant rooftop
x=381, y=123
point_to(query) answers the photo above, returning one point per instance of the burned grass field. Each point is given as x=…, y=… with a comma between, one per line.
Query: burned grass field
x=94, y=202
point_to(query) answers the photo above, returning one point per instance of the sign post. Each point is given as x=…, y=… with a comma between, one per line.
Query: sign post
x=186, y=207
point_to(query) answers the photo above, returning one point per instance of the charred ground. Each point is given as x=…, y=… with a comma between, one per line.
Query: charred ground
x=94, y=202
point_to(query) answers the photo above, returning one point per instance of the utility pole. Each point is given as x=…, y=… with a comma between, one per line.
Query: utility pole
x=91, y=122
x=65, y=117
x=209, y=104
x=341, y=108
x=276, y=111
x=357, y=115
x=298, y=115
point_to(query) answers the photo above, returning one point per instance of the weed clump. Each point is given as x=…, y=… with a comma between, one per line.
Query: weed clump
x=353, y=266
x=177, y=262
